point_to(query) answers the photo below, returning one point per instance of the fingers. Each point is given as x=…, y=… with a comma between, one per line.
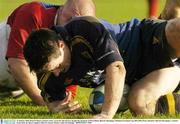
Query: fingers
x=66, y=106
x=72, y=107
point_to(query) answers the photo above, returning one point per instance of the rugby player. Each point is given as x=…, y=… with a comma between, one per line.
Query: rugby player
x=141, y=54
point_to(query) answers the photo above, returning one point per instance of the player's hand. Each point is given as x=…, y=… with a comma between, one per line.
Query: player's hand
x=67, y=105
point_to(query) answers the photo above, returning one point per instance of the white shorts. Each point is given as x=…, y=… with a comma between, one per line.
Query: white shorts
x=6, y=78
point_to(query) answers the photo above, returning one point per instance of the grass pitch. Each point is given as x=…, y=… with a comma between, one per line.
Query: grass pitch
x=114, y=11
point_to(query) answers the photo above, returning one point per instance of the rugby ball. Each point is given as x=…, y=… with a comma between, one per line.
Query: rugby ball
x=96, y=99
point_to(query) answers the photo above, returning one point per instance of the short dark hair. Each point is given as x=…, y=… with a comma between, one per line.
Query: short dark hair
x=39, y=47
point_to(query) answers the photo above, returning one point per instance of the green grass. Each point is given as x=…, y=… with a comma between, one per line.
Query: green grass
x=24, y=108
x=112, y=10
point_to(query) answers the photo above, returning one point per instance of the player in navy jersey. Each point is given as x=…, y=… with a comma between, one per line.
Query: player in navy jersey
x=141, y=50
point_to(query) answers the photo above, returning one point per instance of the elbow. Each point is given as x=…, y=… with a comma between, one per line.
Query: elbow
x=119, y=65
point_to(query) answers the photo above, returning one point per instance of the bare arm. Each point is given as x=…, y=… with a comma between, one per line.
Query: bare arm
x=115, y=77
x=25, y=79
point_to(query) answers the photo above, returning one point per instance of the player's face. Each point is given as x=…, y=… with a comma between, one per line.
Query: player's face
x=61, y=63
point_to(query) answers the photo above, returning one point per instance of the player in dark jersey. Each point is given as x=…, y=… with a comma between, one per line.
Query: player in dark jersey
x=84, y=53
x=86, y=58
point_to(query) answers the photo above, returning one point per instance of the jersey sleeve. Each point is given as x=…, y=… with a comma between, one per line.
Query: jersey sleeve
x=102, y=46
x=53, y=88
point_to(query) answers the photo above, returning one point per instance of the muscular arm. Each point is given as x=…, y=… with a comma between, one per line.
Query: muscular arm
x=25, y=79
x=114, y=83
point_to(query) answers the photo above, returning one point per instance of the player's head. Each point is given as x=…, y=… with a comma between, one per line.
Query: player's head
x=46, y=51
x=173, y=35
x=171, y=10
x=75, y=8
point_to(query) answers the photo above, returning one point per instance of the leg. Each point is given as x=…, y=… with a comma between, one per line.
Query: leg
x=145, y=92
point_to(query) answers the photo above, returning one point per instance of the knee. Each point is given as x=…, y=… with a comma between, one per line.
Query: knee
x=141, y=103
x=135, y=101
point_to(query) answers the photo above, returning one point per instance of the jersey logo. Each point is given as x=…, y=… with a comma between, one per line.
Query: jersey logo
x=155, y=40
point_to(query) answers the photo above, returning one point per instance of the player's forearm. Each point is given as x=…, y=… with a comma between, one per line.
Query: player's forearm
x=115, y=77
x=25, y=79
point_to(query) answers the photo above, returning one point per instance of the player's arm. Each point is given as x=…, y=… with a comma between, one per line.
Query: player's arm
x=25, y=79
x=22, y=26
x=114, y=83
